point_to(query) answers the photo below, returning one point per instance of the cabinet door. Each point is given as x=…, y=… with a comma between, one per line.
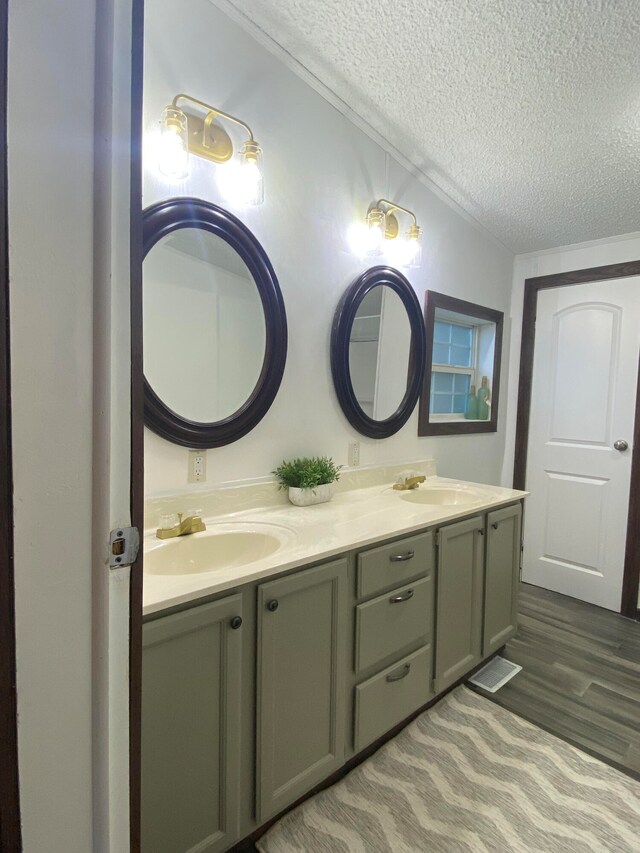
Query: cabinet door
x=302, y=662
x=459, y=597
x=190, y=729
x=502, y=576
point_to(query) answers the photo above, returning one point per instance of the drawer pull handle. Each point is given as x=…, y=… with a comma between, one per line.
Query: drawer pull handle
x=402, y=674
x=401, y=558
x=404, y=596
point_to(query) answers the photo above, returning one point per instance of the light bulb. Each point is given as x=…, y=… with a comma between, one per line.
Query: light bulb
x=173, y=146
x=376, y=227
x=358, y=237
x=399, y=251
x=251, y=184
x=414, y=242
x=240, y=181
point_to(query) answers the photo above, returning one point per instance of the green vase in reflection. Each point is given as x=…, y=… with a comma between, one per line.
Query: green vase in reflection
x=471, y=412
x=484, y=395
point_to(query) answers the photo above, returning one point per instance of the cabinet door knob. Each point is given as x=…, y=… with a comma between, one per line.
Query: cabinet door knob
x=404, y=596
x=401, y=558
x=402, y=674
x=495, y=525
x=273, y=605
x=236, y=622
x=481, y=532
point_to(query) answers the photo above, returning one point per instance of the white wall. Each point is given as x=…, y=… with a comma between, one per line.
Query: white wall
x=581, y=256
x=321, y=173
x=203, y=324
x=51, y=267
x=70, y=441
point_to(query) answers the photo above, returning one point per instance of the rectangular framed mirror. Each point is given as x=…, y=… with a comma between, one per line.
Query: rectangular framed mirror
x=461, y=382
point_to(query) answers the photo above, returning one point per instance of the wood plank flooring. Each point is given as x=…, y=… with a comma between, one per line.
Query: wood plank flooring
x=580, y=677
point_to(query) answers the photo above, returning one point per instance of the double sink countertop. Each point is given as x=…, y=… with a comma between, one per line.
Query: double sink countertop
x=257, y=543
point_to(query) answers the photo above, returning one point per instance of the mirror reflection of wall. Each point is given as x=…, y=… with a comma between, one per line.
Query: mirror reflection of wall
x=204, y=325
x=379, y=349
x=463, y=354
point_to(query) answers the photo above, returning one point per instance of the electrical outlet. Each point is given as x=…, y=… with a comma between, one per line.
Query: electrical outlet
x=354, y=454
x=197, y=466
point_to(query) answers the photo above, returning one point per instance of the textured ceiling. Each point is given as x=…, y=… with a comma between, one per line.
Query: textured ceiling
x=525, y=112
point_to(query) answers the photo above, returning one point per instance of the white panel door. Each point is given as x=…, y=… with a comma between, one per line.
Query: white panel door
x=582, y=401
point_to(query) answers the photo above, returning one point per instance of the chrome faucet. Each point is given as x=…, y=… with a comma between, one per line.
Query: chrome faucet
x=191, y=524
x=409, y=483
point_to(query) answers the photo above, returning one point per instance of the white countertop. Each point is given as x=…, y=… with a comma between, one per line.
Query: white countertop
x=352, y=519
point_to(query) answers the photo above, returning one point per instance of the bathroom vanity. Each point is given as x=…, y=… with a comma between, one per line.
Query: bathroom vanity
x=257, y=689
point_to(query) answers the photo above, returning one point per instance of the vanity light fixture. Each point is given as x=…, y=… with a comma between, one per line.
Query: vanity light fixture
x=198, y=131
x=381, y=235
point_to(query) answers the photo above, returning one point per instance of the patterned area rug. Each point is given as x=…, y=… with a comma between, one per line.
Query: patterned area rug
x=468, y=776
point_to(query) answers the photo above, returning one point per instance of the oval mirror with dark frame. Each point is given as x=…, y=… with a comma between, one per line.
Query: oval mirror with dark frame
x=462, y=375
x=214, y=325
x=378, y=352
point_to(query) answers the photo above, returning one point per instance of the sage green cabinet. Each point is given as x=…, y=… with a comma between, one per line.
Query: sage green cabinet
x=301, y=673
x=502, y=576
x=391, y=696
x=190, y=728
x=459, y=600
x=393, y=621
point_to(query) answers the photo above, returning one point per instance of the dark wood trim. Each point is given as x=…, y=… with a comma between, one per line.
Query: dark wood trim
x=10, y=829
x=532, y=287
x=380, y=276
x=162, y=219
x=137, y=425
x=432, y=301
x=631, y=577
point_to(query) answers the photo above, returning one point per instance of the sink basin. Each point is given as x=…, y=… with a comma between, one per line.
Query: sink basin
x=444, y=496
x=220, y=546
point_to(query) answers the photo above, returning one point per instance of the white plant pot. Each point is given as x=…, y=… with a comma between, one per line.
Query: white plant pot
x=308, y=497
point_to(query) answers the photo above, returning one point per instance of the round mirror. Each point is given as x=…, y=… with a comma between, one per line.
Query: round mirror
x=378, y=352
x=215, y=331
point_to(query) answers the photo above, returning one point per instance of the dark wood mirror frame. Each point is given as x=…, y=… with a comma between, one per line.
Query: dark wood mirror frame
x=158, y=221
x=340, y=337
x=433, y=301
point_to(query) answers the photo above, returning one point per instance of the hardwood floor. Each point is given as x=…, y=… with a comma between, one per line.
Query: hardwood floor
x=580, y=677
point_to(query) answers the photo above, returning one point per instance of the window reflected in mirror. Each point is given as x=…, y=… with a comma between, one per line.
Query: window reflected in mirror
x=460, y=389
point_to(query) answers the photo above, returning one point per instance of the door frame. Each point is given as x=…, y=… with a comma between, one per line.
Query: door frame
x=137, y=427
x=10, y=829
x=532, y=286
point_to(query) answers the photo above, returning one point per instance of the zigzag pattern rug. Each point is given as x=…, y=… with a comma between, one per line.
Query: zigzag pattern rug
x=468, y=776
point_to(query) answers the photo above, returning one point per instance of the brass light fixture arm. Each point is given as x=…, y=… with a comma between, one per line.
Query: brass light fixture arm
x=393, y=206
x=213, y=113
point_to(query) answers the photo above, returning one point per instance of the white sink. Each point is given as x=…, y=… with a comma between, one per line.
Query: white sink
x=220, y=546
x=444, y=496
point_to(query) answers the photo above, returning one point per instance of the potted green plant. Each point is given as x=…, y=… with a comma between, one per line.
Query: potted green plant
x=310, y=480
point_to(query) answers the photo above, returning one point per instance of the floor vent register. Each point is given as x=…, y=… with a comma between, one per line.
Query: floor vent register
x=495, y=674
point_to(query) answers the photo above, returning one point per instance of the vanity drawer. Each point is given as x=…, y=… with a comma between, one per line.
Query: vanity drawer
x=391, y=565
x=391, y=696
x=393, y=621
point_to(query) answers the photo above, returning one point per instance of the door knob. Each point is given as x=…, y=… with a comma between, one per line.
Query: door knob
x=621, y=445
